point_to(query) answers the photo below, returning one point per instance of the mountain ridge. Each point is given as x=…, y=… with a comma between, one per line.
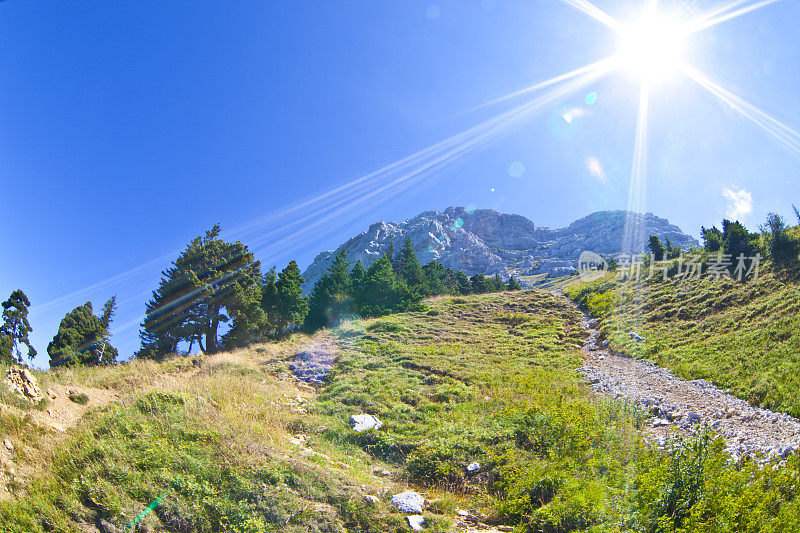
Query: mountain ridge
x=488, y=242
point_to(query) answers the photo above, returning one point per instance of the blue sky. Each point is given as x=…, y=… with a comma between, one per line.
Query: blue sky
x=127, y=128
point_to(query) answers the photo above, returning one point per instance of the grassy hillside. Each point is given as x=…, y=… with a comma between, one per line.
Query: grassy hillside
x=742, y=337
x=232, y=442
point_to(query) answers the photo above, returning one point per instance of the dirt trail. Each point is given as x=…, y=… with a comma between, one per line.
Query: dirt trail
x=678, y=405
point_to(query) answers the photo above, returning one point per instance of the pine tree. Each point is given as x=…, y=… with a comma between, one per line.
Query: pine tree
x=736, y=240
x=409, y=269
x=712, y=239
x=330, y=297
x=16, y=327
x=381, y=292
x=783, y=250
x=108, y=353
x=497, y=283
x=210, y=282
x=357, y=276
x=292, y=305
x=796, y=213
x=479, y=284
x=270, y=302
x=81, y=339
x=109, y=311
x=513, y=285
x=463, y=282
x=656, y=248
x=248, y=320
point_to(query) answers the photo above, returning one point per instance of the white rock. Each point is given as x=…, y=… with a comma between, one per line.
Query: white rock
x=417, y=522
x=372, y=500
x=8, y=445
x=365, y=422
x=473, y=467
x=408, y=502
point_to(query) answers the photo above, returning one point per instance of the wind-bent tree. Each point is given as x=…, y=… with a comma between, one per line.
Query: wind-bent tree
x=83, y=338
x=15, y=328
x=210, y=282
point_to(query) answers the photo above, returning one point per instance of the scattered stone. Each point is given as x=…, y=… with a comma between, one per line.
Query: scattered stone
x=365, y=422
x=473, y=467
x=8, y=445
x=313, y=363
x=298, y=440
x=372, y=500
x=417, y=522
x=686, y=405
x=635, y=336
x=408, y=502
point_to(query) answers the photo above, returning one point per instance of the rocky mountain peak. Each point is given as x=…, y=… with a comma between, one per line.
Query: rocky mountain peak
x=488, y=242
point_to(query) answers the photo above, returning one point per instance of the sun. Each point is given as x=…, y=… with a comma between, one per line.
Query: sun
x=652, y=47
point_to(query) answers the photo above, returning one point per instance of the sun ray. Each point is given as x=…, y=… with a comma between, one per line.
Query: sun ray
x=595, y=12
x=604, y=65
x=773, y=127
x=633, y=237
x=633, y=233
x=345, y=203
x=724, y=14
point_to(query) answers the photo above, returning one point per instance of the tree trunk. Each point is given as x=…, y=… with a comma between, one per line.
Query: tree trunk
x=211, y=336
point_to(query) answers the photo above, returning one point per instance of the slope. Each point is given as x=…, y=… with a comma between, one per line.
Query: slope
x=234, y=442
x=741, y=337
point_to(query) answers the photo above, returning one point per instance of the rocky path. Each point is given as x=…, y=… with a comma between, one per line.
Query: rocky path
x=313, y=362
x=687, y=407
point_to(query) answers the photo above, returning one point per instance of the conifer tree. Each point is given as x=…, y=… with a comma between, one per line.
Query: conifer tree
x=656, y=248
x=479, y=284
x=513, y=285
x=357, y=276
x=109, y=311
x=712, y=238
x=15, y=328
x=463, y=282
x=381, y=292
x=330, y=298
x=409, y=269
x=270, y=303
x=81, y=339
x=292, y=305
x=211, y=281
x=736, y=240
x=497, y=283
